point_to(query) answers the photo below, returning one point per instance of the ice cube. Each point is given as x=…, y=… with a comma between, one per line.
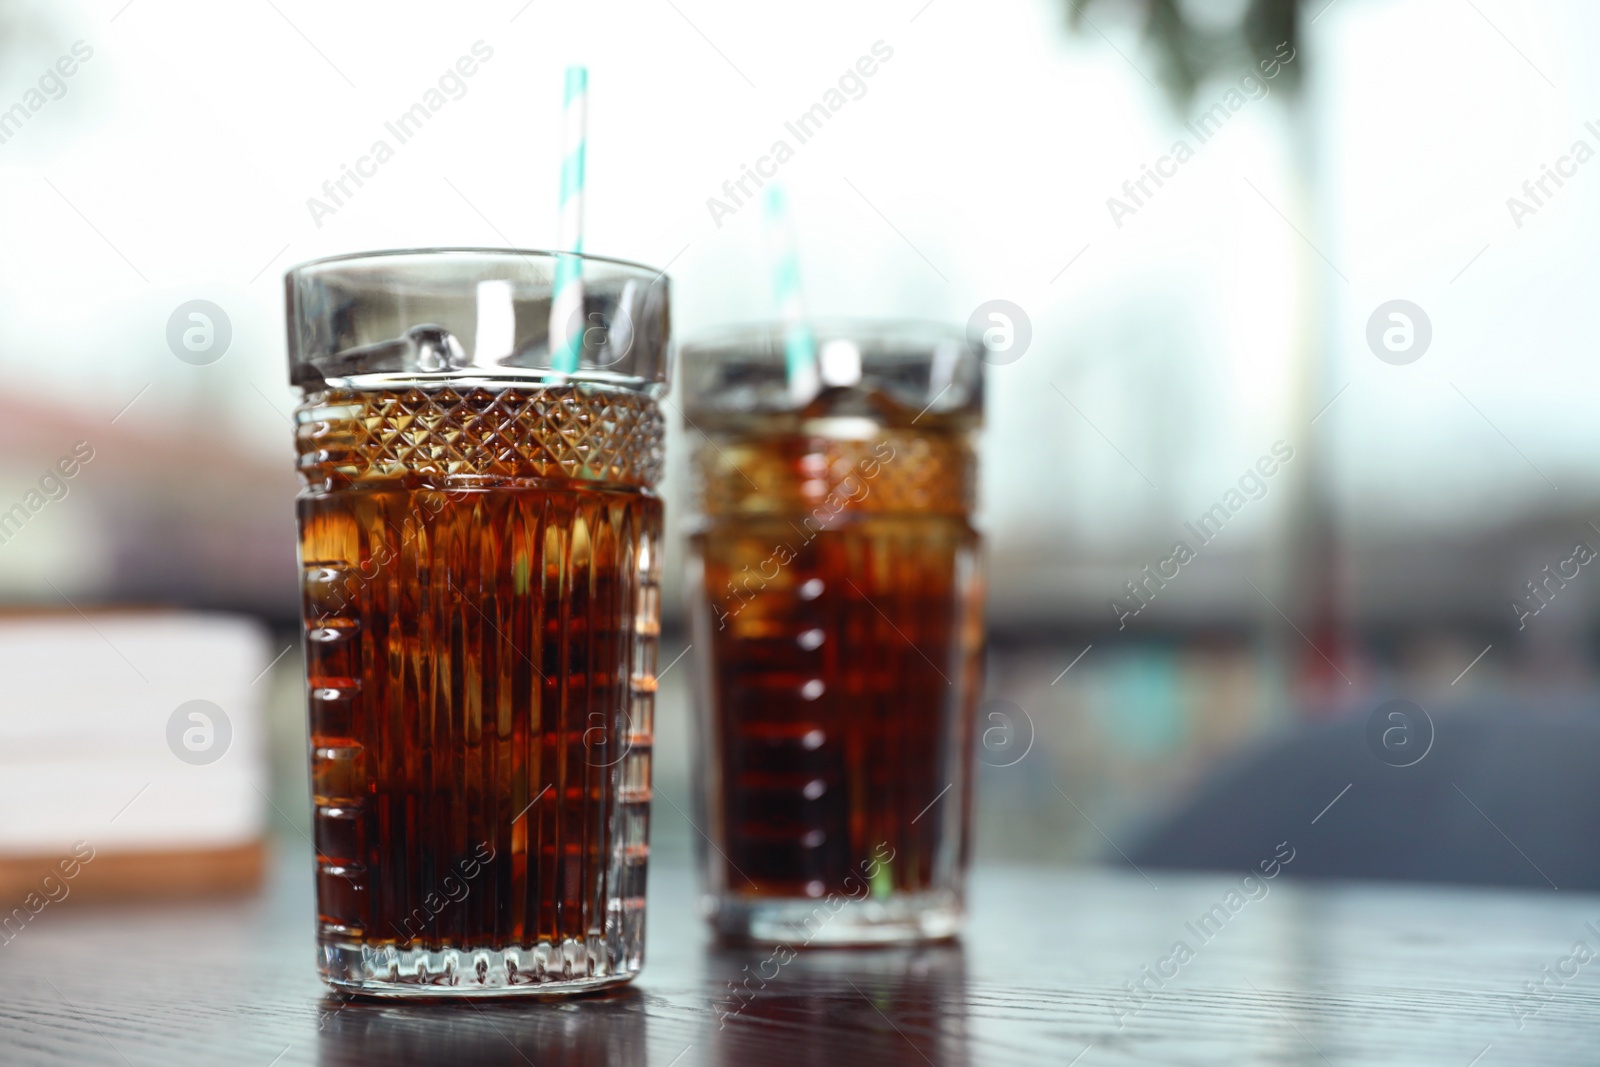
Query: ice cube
x=435, y=348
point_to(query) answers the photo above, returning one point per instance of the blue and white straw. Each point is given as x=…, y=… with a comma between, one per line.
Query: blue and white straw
x=799, y=346
x=566, y=291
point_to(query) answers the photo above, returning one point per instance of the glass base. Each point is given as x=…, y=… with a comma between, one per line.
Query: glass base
x=837, y=921
x=542, y=971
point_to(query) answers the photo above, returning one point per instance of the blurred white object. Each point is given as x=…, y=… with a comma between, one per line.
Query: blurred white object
x=134, y=732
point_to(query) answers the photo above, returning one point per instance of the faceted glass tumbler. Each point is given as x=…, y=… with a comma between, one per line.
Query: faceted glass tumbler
x=479, y=544
x=837, y=610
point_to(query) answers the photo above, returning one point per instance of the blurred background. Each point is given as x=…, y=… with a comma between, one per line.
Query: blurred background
x=1336, y=157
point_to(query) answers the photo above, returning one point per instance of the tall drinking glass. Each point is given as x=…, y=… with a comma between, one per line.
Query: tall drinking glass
x=837, y=601
x=479, y=539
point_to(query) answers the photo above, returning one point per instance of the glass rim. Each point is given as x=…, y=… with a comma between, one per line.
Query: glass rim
x=415, y=314
x=473, y=250
x=770, y=333
x=742, y=370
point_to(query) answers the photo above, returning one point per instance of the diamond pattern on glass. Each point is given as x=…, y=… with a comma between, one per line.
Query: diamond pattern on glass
x=568, y=432
x=899, y=472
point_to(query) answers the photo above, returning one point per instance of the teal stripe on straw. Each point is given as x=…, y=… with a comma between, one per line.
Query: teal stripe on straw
x=577, y=82
x=572, y=179
x=799, y=352
x=568, y=270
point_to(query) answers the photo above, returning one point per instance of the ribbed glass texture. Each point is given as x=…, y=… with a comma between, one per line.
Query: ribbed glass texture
x=481, y=670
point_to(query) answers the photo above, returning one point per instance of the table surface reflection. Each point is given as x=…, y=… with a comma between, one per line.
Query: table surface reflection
x=1284, y=973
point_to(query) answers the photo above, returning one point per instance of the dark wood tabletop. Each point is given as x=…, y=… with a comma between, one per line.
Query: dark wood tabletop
x=1296, y=973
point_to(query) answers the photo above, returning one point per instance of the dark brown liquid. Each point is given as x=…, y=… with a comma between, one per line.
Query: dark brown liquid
x=842, y=668
x=480, y=661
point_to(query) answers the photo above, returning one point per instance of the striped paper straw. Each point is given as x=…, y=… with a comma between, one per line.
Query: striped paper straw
x=566, y=292
x=799, y=347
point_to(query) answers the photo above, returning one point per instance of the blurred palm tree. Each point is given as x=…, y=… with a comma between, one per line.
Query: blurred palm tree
x=1196, y=40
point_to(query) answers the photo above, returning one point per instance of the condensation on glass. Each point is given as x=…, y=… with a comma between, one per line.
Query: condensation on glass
x=480, y=556
x=837, y=613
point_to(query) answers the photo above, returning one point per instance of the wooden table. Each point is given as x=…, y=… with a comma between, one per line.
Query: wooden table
x=1307, y=974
